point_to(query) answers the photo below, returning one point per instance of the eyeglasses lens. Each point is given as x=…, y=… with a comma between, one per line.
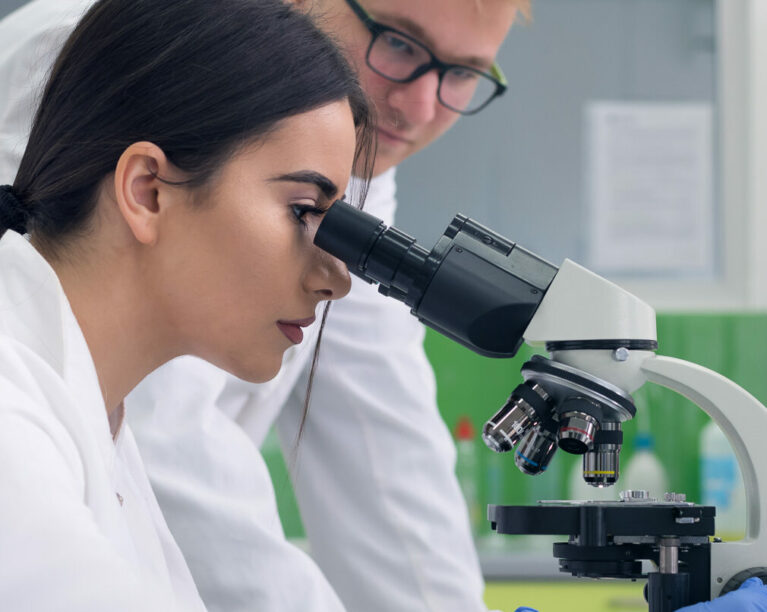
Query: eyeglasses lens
x=466, y=90
x=397, y=57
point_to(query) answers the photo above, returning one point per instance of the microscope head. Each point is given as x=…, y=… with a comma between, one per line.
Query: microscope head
x=490, y=295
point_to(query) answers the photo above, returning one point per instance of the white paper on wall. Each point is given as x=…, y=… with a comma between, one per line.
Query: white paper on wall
x=650, y=188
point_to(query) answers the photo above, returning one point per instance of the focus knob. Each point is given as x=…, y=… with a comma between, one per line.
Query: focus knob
x=733, y=584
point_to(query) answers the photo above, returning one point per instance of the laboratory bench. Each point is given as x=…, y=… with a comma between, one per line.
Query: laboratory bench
x=532, y=578
x=583, y=595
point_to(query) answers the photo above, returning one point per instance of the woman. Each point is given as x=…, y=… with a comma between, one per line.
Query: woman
x=178, y=165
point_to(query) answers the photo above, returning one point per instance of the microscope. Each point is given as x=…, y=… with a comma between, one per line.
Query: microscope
x=491, y=295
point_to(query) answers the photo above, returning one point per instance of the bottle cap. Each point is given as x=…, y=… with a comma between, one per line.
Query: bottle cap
x=464, y=430
x=644, y=441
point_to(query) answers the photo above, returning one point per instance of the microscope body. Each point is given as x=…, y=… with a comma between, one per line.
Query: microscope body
x=489, y=294
x=582, y=308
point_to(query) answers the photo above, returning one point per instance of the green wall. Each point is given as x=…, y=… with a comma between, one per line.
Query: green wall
x=734, y=345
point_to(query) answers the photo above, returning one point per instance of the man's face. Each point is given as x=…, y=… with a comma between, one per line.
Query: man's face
x=410, y=116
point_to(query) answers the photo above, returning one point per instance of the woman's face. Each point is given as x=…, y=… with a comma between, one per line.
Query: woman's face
x=243, y=249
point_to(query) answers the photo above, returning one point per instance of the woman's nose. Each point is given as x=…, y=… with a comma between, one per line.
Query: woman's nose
x=329, y=278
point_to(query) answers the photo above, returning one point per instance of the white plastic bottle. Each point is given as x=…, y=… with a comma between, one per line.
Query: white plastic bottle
x=467, y=469
x=644, y=471
x=722, y=483
x=496, y=465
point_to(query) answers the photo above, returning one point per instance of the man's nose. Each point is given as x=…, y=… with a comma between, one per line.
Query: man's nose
x=417, y=101
x=329, y=277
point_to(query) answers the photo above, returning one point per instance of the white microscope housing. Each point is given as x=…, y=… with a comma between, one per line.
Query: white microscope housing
x=580, y=305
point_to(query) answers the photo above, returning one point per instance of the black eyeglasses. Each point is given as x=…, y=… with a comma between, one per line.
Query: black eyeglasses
x=401, y=58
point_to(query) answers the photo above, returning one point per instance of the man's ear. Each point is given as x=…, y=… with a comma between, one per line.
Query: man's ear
x=140, y=194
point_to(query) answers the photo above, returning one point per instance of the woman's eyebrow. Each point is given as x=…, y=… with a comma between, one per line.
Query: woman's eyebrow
x=328, y=187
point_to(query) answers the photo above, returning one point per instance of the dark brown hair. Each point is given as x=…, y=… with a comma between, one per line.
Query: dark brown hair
x=197, y=78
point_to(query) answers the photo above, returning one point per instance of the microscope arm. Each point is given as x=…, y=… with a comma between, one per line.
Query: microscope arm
x=743, y=419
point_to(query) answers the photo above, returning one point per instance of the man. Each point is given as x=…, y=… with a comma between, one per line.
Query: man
x=373, y=469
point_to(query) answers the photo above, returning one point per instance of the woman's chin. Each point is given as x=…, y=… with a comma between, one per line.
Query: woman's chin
x=256, y=373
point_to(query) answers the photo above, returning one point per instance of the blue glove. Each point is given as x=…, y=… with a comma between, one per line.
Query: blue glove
x=750, y=597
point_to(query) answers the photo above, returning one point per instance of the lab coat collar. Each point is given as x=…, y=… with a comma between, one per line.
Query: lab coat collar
x=381, y=199
x=34, y=311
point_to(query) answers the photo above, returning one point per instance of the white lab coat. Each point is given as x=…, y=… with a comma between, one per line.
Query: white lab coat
x=66, y=541
x=374, y=469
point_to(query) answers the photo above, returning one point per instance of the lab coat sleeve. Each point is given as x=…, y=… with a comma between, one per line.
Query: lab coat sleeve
x=217, y=497
x=374, y=469
x=53, y=555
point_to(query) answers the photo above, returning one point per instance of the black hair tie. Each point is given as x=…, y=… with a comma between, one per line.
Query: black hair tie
x=13, y=214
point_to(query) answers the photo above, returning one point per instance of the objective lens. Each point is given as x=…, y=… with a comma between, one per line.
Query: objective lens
x=527, y=406
x=601, y=465
x=536, y=450
x=600, y=468
x=576, y=432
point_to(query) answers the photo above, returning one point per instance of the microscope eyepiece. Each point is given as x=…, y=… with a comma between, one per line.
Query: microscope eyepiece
x=353, y=234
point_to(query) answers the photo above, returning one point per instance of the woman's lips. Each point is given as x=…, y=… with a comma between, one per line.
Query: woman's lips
x=294, y=333
x=292, y=329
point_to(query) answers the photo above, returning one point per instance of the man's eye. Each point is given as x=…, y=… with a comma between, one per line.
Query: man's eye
x=301, y=210
x=395, y=43
x=462, y=74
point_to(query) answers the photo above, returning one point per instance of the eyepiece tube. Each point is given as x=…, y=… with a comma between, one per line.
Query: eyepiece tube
x=372, y=251
x=348, y=233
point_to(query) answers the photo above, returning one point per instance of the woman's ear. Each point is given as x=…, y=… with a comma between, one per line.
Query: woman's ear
x=302, y=5
x=141, y=196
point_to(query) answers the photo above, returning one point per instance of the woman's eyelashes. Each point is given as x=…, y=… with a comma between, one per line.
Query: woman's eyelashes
x=301, y=210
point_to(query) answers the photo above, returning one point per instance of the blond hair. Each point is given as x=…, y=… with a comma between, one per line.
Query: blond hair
x=523, y=6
